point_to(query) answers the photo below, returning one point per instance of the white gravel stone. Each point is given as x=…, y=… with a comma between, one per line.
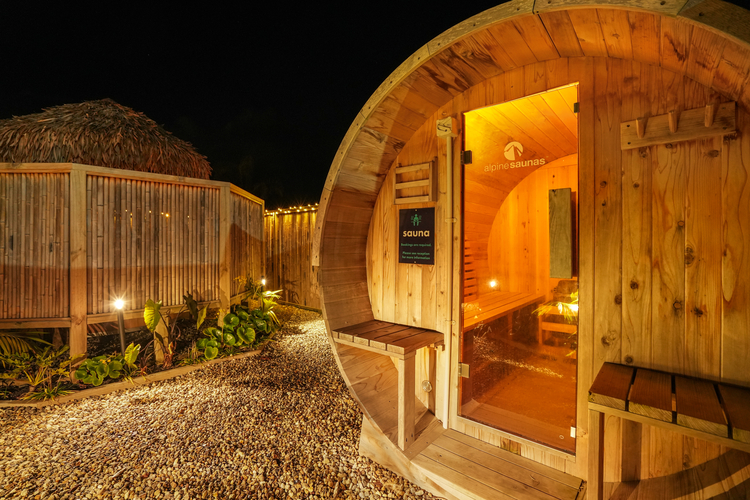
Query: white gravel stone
x=278, y=425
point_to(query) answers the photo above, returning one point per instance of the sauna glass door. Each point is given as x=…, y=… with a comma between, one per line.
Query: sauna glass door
x=518, y=347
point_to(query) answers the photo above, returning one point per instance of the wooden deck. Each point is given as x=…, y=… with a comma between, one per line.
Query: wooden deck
x=474, y=469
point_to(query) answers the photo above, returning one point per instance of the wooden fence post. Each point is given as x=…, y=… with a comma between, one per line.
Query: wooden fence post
x=78, y=285
x=225, y=248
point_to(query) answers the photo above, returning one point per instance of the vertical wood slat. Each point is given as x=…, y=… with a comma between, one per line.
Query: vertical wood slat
x=78, y=262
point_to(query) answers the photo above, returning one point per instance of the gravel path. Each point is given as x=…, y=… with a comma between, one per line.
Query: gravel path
x=278, y=425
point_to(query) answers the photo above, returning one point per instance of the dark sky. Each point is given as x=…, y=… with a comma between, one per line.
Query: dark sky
x=265, y=90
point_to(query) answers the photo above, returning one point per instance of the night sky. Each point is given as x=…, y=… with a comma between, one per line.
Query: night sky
x=265, y=90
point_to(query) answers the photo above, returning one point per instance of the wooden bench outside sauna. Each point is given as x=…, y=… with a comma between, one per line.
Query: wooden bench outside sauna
x=400, y=342
x=715, y=412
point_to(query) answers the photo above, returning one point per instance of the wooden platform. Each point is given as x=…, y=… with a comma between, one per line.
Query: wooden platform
x=491, y=306
x=689, y=406
x=470, y=468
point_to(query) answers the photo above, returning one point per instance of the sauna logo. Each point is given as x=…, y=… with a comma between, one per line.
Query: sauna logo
x=416, y=219
x=513, y=151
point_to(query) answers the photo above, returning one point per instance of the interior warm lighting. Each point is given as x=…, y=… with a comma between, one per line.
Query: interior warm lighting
x=493, y=284
x=119, y=303
x=263, y=281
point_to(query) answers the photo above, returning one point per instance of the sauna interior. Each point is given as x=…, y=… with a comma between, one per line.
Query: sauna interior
x=520, y=287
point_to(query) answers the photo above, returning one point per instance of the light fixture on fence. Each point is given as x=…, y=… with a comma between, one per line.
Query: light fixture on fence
x=263, y=281
x=119, y=304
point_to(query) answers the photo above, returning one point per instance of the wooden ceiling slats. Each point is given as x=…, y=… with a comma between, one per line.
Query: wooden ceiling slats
x=414, y=106
x=535, y=78
x=668, y=7
x=616, y=30
x=507, y=35
x=567, y=127
x=464, y=73
x=705, y=53
x=731, y=74
x=589, y=32
x=536, y=37
x=644, y=31
x=551, y=127
x=505, y=120
x=720, y=17
x=675, y=44
x=420, y=82
x=388, y=125
x=485, y=54
x=453, y=81
x=563, y=34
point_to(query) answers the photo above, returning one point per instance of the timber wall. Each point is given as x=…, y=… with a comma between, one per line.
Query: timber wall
x=664, y=261
x=73, y=238
x=288, y=251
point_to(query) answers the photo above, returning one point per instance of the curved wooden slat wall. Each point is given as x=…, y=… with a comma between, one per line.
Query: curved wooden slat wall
x=517, y=49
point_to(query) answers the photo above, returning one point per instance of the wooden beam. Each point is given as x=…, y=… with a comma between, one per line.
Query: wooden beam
x=225, y=249
x=406, y=369
x=596, y=455
x=78, y=284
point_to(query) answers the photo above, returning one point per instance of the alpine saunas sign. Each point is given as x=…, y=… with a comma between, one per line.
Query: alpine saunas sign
x=416, y=236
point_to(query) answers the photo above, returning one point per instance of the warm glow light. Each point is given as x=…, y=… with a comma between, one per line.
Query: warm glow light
x=574, y=307
x=263, y=281
x=119, y=303
x=493, y=284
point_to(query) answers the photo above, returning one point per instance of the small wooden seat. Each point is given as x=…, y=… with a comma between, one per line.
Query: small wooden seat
x=680, y=404
x=400, y=342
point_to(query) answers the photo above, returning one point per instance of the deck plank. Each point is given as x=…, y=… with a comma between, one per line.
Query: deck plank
x=698, y=406
x=737, y=404
x=611, y=386
x=651, y=395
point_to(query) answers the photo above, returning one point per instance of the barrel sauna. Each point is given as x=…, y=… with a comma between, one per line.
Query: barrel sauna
x=533, y=250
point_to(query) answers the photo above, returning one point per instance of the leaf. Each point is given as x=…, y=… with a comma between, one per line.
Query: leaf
x=191, y=304
x=201, y=317
x=97, y=381
x=114, y=366
x=211, y=352
x=229, y=339
x=201, y=344
x=231, y=319
x=151, y=314
x=114, y=374
x=243, y=315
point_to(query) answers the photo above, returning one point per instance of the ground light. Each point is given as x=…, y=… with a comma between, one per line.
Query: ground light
x=119, y=304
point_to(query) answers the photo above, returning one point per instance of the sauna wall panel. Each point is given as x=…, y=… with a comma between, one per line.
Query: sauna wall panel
x=34, y=245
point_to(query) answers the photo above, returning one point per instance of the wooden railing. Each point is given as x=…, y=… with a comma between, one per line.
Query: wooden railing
x=75, y=237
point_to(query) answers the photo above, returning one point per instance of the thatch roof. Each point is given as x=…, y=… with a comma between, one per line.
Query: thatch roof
x=102, y=133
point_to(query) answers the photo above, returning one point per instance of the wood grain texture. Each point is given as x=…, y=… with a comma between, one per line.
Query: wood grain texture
x=698, y=406
x=612, y=385
x=651, y=395
x=737, y=404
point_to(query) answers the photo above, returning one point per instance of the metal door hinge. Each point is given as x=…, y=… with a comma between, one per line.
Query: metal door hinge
x=466, y=157
x=576, y=107
x=463, y=370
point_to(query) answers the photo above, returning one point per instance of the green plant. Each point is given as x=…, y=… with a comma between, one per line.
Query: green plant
x=152, y=316
x=93, y=371
x=17, y=342
x=198, y=315
x=243, y=328
x=568, y=310
x=45, y=368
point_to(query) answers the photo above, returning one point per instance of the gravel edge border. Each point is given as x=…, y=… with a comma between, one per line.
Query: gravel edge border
x=118, y=386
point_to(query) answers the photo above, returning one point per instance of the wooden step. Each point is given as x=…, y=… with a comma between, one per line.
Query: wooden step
x=477, y=470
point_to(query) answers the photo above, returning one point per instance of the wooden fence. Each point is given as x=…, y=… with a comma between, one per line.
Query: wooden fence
x=288, y=249
x=73, y=238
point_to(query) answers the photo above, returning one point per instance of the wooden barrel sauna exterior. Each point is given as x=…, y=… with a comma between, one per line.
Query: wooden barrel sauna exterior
x=663, y=235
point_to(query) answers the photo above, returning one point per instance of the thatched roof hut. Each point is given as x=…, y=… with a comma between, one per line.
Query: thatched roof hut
x=102, y=133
